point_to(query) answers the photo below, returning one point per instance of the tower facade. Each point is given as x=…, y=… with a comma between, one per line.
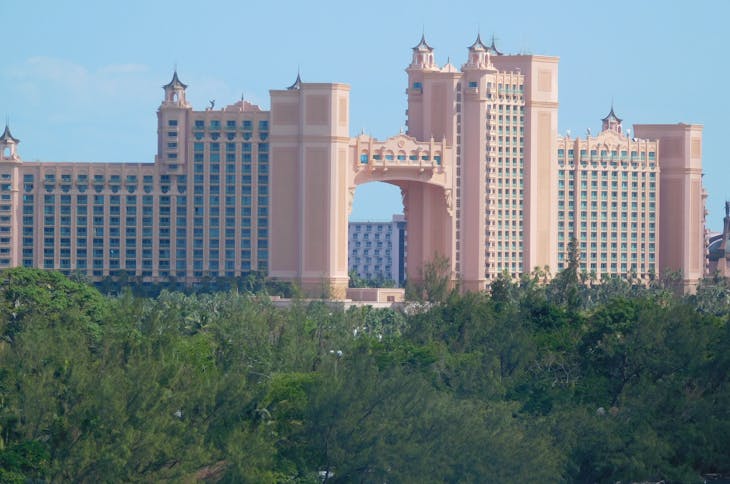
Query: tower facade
x=682, y=198
x=10, y=200
x=310, y=143
x=500, y=113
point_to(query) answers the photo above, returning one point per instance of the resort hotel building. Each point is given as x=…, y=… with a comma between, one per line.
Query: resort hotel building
x=486, y=180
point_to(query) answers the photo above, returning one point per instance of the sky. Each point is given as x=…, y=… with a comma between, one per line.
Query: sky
x=81, y=81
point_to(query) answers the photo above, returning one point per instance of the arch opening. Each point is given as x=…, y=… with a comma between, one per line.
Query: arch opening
x=377, y=236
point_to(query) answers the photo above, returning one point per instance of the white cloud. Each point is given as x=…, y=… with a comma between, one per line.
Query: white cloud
x=123, y=69
x=39, y=78
x=59, y=71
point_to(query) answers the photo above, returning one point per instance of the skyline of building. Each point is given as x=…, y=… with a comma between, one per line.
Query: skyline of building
x=486, y=182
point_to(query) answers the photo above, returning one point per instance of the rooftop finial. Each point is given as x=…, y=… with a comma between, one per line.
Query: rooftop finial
x=297, y=83
x=727, y=208
x=493, y=47
x=611, y=121
x=478, y=44
x=7, y=136
x=175, y=82
x=423, y=45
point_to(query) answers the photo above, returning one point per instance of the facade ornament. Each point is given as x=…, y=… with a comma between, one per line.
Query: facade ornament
x=350, y=199
x=449, y=199
x=404, y=201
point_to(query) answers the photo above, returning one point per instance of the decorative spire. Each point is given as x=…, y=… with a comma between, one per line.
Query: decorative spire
x=297, y=83
x=6, y=137
x=493, y=48
x=611, y=121
x=478, y=44
x=423, y=45
x=175, y=82
x=611, y=116
x=479, y=55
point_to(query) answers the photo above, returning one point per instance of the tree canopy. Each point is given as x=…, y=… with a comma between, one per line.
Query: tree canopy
x=606, y=382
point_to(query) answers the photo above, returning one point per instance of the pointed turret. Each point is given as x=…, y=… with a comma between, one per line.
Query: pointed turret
x=493, y=48
x=423, y=45
x=611, y=122
x=478, y=55
x=297, y=83
x=175, y=83
x=8, y=145
x=422, y=55
x=7, y=137
x=478, y=45
x=175, y=92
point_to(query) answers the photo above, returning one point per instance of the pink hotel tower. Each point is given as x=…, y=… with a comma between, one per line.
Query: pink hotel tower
x=485, y=178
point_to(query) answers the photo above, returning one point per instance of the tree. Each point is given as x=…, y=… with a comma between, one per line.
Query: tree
x=566, y=287
x=436, y=281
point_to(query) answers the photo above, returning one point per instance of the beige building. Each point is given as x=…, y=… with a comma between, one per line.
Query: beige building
x=608, y=194
x=609, y=200
x=200, y=210
x=486, y=181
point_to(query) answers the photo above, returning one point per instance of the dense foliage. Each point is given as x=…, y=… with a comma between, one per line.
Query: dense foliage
x=533, y=382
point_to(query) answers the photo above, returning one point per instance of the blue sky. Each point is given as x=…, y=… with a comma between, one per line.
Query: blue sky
x=80, y=81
